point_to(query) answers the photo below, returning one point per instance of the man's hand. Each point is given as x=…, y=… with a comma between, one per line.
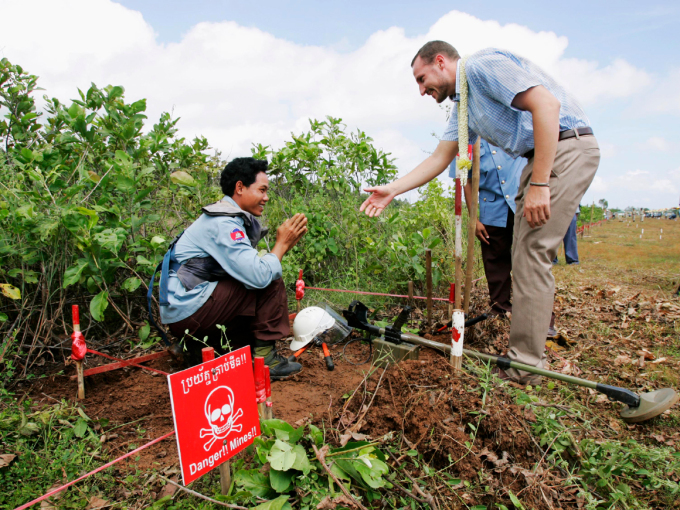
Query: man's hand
x=481, y=233
x=537, y=206
x=289, y=233
x=380, y=197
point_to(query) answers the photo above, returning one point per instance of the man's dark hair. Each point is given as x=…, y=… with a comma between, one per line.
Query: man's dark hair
x=241, y=169
x=433, y=48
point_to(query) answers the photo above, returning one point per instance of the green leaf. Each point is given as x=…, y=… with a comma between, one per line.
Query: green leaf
x=316, y=434
x=280, y=503
x=3, y=317
x=157, y=241
x=98, y=305
x=301, y=461
x=254, y=482
x=80, y=428
x=183, y=178
x=144, y=332
x=131, y=284
x=125, y=184
x=515, y=501
x=73, y=273
x=435, y=242
x=280, y=480
x=10, y=291
x=281, y=456
x=282, y=430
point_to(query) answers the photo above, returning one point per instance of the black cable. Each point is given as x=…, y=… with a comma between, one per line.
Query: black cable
x=370, y=351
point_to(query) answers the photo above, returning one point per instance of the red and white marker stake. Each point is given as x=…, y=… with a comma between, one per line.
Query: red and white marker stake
x=269, y=414
x=457, y=335
x=260, y=387
x=78, y=350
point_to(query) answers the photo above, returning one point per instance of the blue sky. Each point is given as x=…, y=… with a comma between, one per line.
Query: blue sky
x=242, y=72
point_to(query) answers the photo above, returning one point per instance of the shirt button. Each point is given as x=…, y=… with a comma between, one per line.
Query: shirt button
x=502, y=182
x=485, y=199
x=507, y=196
x=493, y=152
x=499, y=167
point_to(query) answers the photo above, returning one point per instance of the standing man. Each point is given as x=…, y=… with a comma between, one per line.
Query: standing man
x=515, y=105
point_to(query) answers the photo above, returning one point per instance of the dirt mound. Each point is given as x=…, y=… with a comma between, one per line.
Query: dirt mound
x=470, y=430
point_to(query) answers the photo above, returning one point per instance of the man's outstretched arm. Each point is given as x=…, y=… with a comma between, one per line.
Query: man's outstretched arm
x=434, y=165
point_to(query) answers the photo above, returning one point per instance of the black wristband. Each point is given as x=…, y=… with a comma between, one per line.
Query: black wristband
x=540, y=184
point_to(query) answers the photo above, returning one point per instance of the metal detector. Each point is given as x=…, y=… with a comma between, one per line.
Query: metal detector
x=638, y=408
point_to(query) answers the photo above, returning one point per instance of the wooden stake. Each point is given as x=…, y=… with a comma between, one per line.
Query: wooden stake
x=269, y=412
x=457, y=335
x=81, y=379
x=428, y=274
x=458, y=242
x=225, y=477
x=76, y=337
x=472, y=227
x=260, y=387
x=208, y=354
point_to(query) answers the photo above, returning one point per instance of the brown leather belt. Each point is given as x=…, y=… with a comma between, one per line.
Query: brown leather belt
x=564, y=135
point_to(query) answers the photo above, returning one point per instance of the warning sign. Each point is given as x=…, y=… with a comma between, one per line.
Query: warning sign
x=215, y=413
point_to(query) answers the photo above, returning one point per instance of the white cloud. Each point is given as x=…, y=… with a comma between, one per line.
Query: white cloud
x=599, y=185
x=665, y=96
x=658, y=143
x=238, y=85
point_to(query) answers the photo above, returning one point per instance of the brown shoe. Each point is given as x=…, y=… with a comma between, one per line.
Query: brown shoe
x=521, y=382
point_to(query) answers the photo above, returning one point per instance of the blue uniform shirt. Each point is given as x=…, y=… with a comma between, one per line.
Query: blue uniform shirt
x=224, y=239
x=494, y=78
x=498, y=183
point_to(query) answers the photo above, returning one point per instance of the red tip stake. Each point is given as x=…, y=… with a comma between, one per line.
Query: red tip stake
x=267, y=382
x=260, y=386
x=75, y=312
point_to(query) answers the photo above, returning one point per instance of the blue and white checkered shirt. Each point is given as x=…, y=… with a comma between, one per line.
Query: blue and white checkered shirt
x=494, y=78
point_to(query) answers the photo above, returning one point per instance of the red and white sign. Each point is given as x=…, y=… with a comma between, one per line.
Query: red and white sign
x=215, y=413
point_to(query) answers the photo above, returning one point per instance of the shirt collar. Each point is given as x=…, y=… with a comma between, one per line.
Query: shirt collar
x=230, y=201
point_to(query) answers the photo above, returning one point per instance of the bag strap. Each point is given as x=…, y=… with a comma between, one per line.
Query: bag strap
x=164, y=268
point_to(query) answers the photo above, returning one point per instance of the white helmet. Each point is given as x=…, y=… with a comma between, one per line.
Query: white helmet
x=313, y=321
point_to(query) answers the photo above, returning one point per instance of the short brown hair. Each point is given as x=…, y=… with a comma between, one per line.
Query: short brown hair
x=433, y=48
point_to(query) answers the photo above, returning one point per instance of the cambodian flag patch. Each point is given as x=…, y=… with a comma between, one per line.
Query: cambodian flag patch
x=237, y=235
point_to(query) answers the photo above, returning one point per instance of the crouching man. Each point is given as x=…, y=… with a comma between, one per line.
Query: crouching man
x=217, y=286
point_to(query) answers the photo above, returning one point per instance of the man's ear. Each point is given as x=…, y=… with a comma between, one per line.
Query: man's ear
x=238, y=189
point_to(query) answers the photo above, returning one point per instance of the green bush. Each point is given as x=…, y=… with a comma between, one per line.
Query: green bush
x=89, y=202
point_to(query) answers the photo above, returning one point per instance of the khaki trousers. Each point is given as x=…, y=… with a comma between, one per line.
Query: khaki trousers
x=533, y=249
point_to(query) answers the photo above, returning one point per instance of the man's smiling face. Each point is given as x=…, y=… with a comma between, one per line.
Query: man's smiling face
x=433, y=79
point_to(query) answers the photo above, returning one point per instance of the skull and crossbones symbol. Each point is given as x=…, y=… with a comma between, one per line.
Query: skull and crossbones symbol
x=219, y=410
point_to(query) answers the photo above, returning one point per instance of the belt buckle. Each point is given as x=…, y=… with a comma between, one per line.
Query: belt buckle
x=576, y=134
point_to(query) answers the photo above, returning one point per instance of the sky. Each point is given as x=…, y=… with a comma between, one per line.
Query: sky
x=243, y=72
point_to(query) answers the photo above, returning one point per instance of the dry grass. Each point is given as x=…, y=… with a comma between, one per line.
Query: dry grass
x=616, y=251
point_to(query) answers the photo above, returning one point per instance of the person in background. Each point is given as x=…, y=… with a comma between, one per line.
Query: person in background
x=570, y=242
x=217, y=279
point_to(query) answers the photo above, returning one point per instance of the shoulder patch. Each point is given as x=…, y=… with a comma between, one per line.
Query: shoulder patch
x=238, y=235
